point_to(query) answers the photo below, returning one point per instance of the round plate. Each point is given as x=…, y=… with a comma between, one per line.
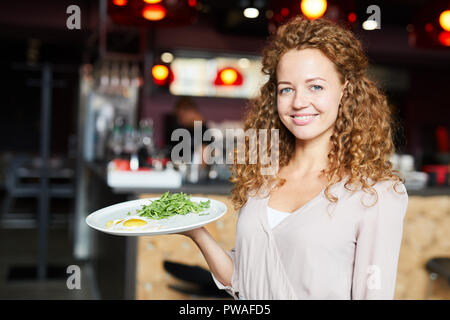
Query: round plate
x=174, y=224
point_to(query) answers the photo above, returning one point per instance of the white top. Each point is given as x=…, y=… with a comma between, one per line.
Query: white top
x=323, y=250
x=275, y=216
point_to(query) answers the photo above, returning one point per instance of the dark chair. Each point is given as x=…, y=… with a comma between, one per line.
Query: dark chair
x=200, y=279
x=23, y=181
x=437, y=267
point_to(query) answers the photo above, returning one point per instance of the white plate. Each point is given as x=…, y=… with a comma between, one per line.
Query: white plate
x=174, y=224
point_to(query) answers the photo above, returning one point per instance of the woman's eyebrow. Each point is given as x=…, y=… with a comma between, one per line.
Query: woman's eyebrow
x=315, y=78
x=284, y=82
x=306, y=81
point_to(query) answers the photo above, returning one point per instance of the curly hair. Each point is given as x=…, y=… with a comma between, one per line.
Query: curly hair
x=362, y=140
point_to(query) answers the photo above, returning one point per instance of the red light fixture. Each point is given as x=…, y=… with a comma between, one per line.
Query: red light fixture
x=192, y=3
x=352, y=17
x=154, y=12
x=313, y=9
x=152, y=1
x=284, y=12
x=120, y=3
x=161, y=75
x=160, y=72
x=444, y=38
x=442, y=139
x=444, y=20
x=228, y=77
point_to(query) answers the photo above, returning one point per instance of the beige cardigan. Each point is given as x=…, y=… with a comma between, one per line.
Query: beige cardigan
x=323, y=250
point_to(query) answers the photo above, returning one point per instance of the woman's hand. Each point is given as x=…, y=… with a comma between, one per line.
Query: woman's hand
x=193, y=233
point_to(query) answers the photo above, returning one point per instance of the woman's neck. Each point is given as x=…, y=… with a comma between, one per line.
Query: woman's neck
x=311, y=156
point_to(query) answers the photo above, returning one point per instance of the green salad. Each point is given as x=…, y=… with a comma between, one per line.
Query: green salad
x=172, y=204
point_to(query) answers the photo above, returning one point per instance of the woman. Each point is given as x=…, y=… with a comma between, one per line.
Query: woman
x=329, y=224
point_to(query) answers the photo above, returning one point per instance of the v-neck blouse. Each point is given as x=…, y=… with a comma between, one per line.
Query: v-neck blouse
x=274, y=216
x=323, y=250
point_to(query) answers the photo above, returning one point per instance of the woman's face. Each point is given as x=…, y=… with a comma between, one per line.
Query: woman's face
x=309, y=92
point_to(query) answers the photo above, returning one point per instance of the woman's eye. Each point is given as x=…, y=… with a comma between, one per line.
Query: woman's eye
x=285, y=90
x=316, y=87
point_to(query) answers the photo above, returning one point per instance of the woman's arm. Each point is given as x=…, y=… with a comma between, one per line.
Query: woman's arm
x=218, y=260
x=378, y=244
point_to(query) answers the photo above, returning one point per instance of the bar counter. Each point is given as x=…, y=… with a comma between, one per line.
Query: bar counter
x=224, y=187
x=133, y=267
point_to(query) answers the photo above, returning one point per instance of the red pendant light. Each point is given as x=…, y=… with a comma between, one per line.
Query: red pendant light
x=154, y=12
x=162, y=75
x=313, y=9
x=228, y=77
x=444, y=20
x=120, y=3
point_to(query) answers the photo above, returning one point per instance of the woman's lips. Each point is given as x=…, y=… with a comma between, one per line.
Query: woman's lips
x=304, y=120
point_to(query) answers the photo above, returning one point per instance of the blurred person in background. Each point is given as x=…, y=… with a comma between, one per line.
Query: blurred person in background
x=184, y=116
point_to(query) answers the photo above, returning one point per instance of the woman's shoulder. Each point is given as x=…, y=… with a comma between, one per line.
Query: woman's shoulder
x=390, y=193
x=391, y=186
x=384, y=185
x=382, y=192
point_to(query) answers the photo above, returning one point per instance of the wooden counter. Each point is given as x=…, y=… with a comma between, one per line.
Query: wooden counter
x=426, y=235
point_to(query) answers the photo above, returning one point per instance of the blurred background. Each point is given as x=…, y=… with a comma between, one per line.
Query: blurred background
x=92, y=91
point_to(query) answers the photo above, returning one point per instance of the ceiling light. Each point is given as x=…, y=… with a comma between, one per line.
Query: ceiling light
x=120, y=3
x=167, y=57
x=228, y=77
x=160, y=74
x=154, y=12
x=444, y=38
x=444, y=20
x=251, y=13
x=369, y=25
x=313, y=9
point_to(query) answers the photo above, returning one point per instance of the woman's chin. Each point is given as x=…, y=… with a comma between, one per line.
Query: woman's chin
x=310, y=135
x=305, y=134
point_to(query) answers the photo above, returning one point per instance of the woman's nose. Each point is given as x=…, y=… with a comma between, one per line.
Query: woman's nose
x=300, y=100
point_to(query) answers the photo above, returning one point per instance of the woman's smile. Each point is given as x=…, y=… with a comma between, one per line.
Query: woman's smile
x=303, y=120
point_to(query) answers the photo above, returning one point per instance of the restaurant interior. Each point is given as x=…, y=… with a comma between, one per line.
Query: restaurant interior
x=93, y=90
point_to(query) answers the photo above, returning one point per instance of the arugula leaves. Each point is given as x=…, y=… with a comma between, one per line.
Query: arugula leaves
x=172, y=204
